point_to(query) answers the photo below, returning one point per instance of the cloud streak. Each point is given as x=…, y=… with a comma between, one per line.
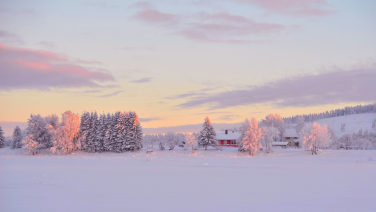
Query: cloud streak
x=143, y=80
x=152, y=16
x=303, y=8
x=43, y=70
x=338, y=86
x=220, y=27
x=10, y=37
x=111, y=94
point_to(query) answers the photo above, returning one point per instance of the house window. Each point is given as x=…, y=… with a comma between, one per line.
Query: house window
x=287, y=137
x=233, y=142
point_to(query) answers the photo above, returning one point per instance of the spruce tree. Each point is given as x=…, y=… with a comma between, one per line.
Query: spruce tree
x=122, y=132
x=92, y=133
x=109, y=140
x=2, y=138
x=101, y=133
x=17, y=138
x=207, y=135
x=84, y=129
x=134, y=135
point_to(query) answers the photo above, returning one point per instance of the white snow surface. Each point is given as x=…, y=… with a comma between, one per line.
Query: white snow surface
x=290, y=133
x=353, y=123
x=228, y=180
x=221, y=135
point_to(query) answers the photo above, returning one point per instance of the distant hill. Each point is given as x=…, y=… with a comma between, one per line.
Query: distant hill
x=353, y=123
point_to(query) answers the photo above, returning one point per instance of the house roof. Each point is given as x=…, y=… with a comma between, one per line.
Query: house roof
x=230, y=136
x=290, y=133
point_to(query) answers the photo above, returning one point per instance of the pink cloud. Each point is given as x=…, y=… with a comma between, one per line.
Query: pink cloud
x=42, y=70
x=220, y=27
x=152, y=16
x=293, y=7
x=228, y=28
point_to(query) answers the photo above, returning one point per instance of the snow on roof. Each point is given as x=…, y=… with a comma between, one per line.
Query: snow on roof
x=290, y=133
x=230, y=136
x=280, y=143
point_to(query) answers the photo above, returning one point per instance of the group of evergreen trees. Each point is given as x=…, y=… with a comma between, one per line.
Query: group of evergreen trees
x=2, y=138
x=371, y=108
x=117, y=132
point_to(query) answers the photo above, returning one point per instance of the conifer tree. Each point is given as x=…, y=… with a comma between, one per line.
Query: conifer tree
x=92, y=144
x=121, y=132
x=134, y=138
x=161, y=140
x=2, y=138
x=112, y=132
x=109, y=140
x=17, y=138
x=207, y=135
x=84, y=129
x=101, y=132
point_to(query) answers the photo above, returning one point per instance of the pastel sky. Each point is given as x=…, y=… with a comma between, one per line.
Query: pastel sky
x=176, y=62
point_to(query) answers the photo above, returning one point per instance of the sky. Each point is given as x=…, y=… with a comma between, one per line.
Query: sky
x=176, y=62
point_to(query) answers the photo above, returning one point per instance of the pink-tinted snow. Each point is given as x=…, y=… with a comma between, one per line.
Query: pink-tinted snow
x=286, y=180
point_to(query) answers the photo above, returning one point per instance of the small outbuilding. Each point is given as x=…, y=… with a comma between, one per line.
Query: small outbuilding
x=289, y=136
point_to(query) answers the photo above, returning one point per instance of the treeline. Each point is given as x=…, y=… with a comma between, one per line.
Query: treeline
x=118, y=132
x=371, y=108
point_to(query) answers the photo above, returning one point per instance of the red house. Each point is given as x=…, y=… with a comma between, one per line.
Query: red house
x=228, y=138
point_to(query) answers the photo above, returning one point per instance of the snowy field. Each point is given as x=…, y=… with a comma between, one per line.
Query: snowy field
x=353, y=123
x=287, y=180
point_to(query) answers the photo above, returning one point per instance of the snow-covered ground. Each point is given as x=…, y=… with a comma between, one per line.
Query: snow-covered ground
x=287, y=180
x=353, y=123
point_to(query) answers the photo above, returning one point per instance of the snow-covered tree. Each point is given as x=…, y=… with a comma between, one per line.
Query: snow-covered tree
x=16, y=138
x=66, y=136
x=161, y=140
x=38, y=129
x=363, y=143
x=251, y=135
x=343, y=127
x=333, y=137
x=374, y=125
x=30, y=144
x=134, y=132
x=101, y=132
x=276, y=121
x=112, y=132
x=171, y=140
x=2, y=138
x=207, y=135
x=315, y=136
x=92, y=143
x=128, y=133
x=84, y=129
x=269, y=135
x=191, y=142
x=360, y=133
x=300, y=124
x=344, y=140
